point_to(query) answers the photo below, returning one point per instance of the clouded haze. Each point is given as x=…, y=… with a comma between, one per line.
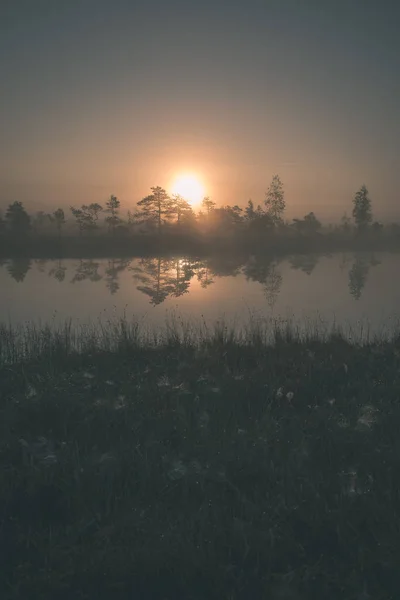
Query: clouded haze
x=114, y=96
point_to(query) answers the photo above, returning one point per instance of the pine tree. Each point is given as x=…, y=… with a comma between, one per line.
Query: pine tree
x=275, y=200
x=17, y=219
x=179, y=207
x=208, y=205
x=112, y=207
x=362, y=211
x=155, y=209
x=87, y=216
x=58, y=217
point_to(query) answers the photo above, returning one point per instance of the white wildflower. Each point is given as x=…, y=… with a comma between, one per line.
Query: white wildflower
x=367, y=418
x=105, y=458
x=181, y=388
x=279, y=393
x=30, y=392
x=164, y=381
x=332, y=401
x=290, y=396
x=178, y=470
x=120, y=402
x=87, y=375
x=49, y=459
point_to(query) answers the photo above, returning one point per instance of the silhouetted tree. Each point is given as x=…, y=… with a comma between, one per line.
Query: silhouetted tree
x=362, y=212
x=250, y=213
x=17, y=219
x=131, y=221
x=93, y=209
x=376, y=227
x=40, y=220
x=3, y=224
x=226, y=219
x=18, y=268
x=154, y=209
x=308, y=224
x=345, y=223
x=275, y=200
x=311, y=223
x=112, y=207
x=208, y=205
x=58, y=218
x=261, y=224
x=87, y=216
x=180, y=208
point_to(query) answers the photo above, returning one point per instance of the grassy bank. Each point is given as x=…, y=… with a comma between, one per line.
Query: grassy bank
x=198, y=464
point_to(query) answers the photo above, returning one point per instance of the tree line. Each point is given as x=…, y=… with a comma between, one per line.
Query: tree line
x=159, y=211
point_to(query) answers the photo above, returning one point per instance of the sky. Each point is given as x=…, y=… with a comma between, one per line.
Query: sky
x=105, y=97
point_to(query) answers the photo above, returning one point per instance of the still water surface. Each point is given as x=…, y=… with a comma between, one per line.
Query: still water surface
x=346, y=288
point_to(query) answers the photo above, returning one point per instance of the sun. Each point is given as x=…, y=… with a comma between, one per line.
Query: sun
x=189, y=187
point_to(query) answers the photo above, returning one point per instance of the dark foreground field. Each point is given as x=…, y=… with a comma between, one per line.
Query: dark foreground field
x=218, y=469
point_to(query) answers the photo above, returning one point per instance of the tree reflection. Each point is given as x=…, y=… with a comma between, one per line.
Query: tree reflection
x=358, y=274
x=87, y=269
x=272, y=285
x=154, y=275
x=204, y=275
x=18, y=268
x=266, y=271
x=183, y=272
x=161, y=278
x=58, y=272
x=112, y=272
x=224, y=266
x=304, y=262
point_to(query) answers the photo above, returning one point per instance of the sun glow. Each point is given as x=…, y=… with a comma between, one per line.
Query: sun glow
x=189, y=187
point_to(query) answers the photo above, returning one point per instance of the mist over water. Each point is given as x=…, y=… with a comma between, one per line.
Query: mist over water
x=358, y=292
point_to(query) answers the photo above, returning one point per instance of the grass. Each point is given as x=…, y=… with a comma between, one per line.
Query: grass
x=198, y=463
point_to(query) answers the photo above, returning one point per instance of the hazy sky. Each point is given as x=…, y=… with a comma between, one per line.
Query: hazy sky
x=115, y=96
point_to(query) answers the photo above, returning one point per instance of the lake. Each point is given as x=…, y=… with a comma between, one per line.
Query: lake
x=351, y=289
